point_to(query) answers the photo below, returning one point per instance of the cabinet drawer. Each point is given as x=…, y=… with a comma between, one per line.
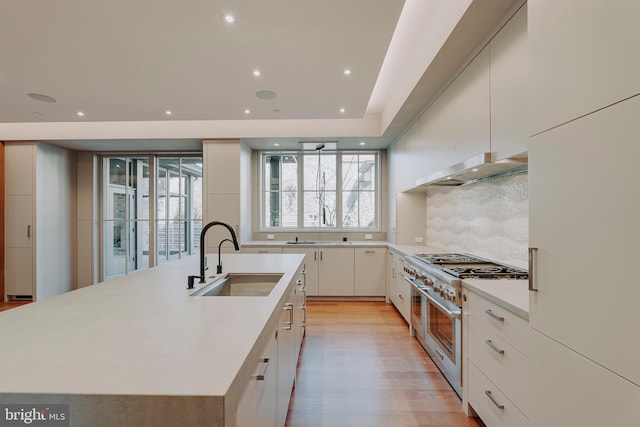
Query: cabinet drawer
x=499, y=321
x=504, y=364
x=489, y=402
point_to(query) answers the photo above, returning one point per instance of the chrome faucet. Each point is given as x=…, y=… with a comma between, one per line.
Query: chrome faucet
x=202, y=257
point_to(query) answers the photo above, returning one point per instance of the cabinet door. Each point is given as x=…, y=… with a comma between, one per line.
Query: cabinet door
x=19, y=221
x=580, y=57
x=509, y=85
x=390, y=276
x=257, y=406
x=584, y=200
x=286, y=360
x=310, y=266
x=570, y=390
x=336, y=271
x=369, y=271
x=18, y=269
x=19, y=169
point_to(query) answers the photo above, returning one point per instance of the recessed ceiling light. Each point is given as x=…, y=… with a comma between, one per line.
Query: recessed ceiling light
x=342, y=110
x=80, y=114
x=362, y=143
x=256, y=73
x=474, y=170
x=247, y=111
x=448, y=177
x=168, y=112
x=41, y=97
x=347, y=72
x=229, y=18
x=276, y=144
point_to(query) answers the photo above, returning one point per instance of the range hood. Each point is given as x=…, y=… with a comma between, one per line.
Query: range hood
x=473, y=170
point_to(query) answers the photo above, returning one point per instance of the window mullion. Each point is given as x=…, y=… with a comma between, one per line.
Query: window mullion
x=338, y=190
x=300, y=190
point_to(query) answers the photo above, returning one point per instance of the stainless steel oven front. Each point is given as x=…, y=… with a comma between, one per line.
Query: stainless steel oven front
x=444, y=340
x=418, y=312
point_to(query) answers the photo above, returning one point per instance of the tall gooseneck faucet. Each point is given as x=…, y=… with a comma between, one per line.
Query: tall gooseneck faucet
x=202, y=244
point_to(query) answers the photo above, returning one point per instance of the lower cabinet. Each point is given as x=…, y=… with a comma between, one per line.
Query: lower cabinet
x=398, y=289
x=310, y=267
x=265, y=400
x=369, y=272
x=336, y=272
x=257, y=406
x=496, y=372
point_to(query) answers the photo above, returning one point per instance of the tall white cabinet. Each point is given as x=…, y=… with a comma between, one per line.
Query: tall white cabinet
x=584, y=205
x=40, y=221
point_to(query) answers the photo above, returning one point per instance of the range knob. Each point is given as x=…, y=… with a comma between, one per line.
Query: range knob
x=428, y=281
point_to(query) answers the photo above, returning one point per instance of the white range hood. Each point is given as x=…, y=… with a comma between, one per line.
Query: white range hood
x=475, y=169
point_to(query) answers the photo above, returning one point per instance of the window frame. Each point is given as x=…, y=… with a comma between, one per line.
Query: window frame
x=300, y=191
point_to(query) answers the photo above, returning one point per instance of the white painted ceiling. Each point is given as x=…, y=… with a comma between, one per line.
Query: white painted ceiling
x=125, y=63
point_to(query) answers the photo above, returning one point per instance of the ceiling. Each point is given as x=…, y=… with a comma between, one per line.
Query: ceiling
x=116, y=69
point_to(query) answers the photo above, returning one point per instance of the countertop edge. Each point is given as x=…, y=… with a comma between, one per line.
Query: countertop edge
x=515, y=298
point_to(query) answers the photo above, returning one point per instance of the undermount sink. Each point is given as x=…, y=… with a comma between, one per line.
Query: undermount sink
x=301, y=242
x=240, y=285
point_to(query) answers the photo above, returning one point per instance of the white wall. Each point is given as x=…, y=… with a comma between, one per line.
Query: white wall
x=55, y=223
x=87, y=261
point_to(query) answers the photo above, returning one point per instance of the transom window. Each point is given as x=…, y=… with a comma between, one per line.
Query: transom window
x=319, y=190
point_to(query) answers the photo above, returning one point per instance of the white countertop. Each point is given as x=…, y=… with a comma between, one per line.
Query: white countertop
x=316, y=243
x=141, y=334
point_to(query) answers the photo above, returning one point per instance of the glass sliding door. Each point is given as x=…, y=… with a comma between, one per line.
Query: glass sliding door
x=152, y=211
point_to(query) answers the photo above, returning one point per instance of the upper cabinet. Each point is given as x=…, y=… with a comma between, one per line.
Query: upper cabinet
x=583, y=60
x=509, y=70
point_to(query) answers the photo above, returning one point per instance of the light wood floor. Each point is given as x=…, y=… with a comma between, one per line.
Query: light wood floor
x=359, y=367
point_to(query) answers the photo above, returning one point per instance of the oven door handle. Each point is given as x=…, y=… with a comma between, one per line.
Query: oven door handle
x=452, y=314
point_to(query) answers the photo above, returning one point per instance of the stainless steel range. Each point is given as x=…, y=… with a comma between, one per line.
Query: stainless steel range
x=436, y=303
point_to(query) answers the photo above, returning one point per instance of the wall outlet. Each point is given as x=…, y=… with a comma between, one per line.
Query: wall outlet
x=419, y=239
x=270, y=236
x=368, y=237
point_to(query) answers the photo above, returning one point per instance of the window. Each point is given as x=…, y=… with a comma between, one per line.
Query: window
x=319, y=190
x=152, y=211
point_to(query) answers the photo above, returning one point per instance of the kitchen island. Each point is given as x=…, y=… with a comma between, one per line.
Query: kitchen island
x=139, y=350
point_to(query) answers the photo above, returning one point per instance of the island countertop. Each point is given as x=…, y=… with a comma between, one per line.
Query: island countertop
x=142, y=334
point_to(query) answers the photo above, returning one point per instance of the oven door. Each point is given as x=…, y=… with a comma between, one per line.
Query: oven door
x=444, y=340
x=418, y=312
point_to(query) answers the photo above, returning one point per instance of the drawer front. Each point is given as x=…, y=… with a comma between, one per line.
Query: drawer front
x=507, y=367
x=490, y=403
x=499, y=321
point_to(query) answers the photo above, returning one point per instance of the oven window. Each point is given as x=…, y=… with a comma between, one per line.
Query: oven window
x=442, y=329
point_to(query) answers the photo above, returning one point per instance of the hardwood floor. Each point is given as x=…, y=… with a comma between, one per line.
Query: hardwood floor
x=6, y=305
x=359, y=367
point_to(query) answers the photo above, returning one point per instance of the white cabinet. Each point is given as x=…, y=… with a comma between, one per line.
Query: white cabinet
x=370, y=271
x=577, y=216
x=399, y=289
x=509, y=86
x=584, y=203
x=257, y=405
x=496, y=377
x=580, y=58
x=571, y=390
x=286, y=359
x=336, y=272
x=40, y=220
x=299, y=313
x=19, y=226
x=310, y=267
